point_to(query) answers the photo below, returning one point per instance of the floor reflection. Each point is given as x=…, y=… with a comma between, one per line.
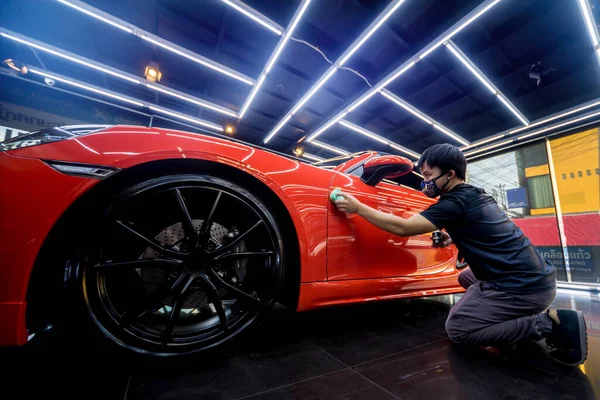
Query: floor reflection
x=388, y=350
x=589, y=304
x=392, y=350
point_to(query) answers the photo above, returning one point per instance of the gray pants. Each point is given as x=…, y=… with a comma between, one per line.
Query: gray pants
x=485, y=316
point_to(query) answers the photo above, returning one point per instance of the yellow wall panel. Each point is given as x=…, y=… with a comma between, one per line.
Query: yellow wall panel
x=542, y=211
x=537, y=171
x=577, y=154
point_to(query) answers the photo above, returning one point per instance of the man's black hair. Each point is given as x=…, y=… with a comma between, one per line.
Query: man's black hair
x=446, y=157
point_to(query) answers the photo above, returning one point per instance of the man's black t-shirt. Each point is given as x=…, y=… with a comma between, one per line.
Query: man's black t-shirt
x=496, y=249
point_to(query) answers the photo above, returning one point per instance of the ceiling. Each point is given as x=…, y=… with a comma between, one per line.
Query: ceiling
x=503, y=43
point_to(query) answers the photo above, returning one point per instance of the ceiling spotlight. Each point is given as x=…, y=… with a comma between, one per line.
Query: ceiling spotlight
x=11, y=64
x=299, y=151
x=152, y=73
x=230, y=129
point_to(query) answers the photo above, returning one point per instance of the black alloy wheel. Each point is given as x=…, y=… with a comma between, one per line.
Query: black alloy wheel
x=184, y=263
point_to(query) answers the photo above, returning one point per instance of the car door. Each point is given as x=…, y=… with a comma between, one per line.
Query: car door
x=359, y=250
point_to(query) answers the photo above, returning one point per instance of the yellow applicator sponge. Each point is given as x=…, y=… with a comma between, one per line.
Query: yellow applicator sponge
x=336, y=195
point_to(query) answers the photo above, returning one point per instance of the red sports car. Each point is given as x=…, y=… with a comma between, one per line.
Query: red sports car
x=173, y=242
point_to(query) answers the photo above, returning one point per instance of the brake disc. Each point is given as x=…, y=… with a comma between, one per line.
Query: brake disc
x=170, y=237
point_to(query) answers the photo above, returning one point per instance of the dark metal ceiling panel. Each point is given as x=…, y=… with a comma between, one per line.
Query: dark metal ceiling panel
x=504, y=44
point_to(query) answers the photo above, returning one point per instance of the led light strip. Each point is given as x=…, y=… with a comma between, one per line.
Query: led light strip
x=295, y=20
x=543, y=130
x=191, y=99
x=471, y=67
x=378, y=138
x=87, y=87
x=591, y=26
x=99, y=15
x=469, y=154
x=251, y=96
x=255, y=16
x=449, y=133
x=549, y=128
x=357, y=44
x=358, y=104
x=417, y=113
x=561, y=115
x=276, y=53
x=494, y=151
x=123, y=98
x=66, y=55
x=466, y=61
x=312, y=157
x=492, y=139
x=478, y=12
x=186, y=118
x=333, y=149
x=113, y=71
x=197, y=59
x=332, y=70
x=405, y=150
x=373, y=27
x=327, y=126
x=342, y=152
x=396, y=75
x=554, y=117
x=529, y=135
x=459, y=26
x=364, y=132
x=390, y=96
x=280, y=125
x=165, y=44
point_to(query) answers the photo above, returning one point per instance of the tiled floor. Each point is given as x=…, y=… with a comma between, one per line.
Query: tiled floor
x=394, y=350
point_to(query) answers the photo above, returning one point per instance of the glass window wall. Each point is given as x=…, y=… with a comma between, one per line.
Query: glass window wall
x=551, y=190
x=521, y=183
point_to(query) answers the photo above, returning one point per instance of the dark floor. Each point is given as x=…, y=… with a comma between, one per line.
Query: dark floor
x=394, y=350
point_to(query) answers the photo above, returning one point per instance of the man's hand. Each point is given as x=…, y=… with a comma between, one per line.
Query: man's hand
x=446, y=241
x=348, y=204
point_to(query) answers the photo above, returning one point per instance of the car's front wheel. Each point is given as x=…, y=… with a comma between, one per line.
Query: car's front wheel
x=183, y=263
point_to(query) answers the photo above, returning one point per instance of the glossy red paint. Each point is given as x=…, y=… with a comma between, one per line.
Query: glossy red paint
x=336, y=251
x=301, y=187
x=37, y=197
x=334, y=293
x=359, y=250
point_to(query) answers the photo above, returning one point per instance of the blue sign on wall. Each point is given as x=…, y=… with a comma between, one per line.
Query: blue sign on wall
x=517, y=198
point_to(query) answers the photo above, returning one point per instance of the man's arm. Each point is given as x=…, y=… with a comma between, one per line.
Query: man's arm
x=415, y=225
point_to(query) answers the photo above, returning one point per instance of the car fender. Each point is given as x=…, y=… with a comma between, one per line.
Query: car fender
x=305, y=201
x=302, y=188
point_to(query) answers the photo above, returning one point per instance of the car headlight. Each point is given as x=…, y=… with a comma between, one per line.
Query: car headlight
x=49, y=135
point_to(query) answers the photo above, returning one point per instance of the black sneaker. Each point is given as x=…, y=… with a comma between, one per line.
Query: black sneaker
x=568, y=340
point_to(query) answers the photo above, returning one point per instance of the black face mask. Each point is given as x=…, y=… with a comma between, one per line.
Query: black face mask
x=430, y=189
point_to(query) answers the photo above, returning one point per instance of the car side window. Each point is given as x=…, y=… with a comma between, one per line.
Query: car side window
x=357, y=171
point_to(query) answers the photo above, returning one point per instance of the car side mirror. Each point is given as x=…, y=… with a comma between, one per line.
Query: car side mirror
x=385, y=167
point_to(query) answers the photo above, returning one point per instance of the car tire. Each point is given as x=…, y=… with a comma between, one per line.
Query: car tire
x=157, y=279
